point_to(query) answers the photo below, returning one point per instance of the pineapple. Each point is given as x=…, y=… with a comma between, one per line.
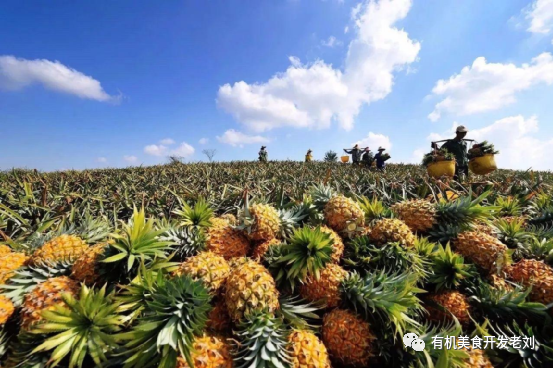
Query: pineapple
x=6, y=309
x=454, y=303
x=230, y=218
x=226, y=241
x=307, y=351
x=250, y=287
x=536, y=274
x=326, y=287
x=86, y=268
x=206, y=267
x=262, y=247
x=263, y=222
x=262, y=342
x=209, y=351
x=218, y=319
x=421, y=215
x=46, y=296
x=476, y=358
x=347, y=337
x=71, y=243
x=337, y=244
x=344, y=214
x=483, y=250
x=392, y=231
x=9, y=262
x=63, y=247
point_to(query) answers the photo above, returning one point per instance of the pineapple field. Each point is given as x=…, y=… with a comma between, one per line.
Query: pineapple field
x=273, y=265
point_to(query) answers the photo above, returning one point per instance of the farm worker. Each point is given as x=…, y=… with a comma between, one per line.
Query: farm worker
x=263, y=154
x=355, y=154
x=308, y=156
x=381, y=158
x=458, y=147
x=367, y=157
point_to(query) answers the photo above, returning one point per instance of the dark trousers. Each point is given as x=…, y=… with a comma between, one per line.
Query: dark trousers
x=464, y=170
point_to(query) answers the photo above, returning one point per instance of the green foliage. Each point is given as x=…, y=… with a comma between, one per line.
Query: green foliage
x=449, y=269
x=330, y=156
x=198, y=216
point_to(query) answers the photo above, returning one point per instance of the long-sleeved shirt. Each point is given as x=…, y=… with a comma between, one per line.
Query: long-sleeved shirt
x=355, y=154
x=367, y=158
x=308, y=157
x=380, y=161
x=263, y=156
x=459, y=150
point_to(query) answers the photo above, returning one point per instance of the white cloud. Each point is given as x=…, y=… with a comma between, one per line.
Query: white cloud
x=17, y=73
x=488, y=86
x=540, y=16
x=235, y=138
x=131, y=159
x=313, y=95
x=183, y=150
x=203, y=141
x=518, y=140
x=331, y=42
x=101, y=159
x=374, y=140
x=167, y=141
x=160, y=150
x=346, y=29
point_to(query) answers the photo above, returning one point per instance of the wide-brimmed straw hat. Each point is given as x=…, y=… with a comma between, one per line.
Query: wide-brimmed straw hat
x=381, y=148
x=461, y=129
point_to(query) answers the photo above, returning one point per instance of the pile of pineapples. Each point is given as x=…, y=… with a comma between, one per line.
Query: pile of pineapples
x=325, y=281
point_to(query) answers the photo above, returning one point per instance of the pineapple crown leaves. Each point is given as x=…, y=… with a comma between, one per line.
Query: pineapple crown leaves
x=82, y=328
x=321, y=194
x=464, y=210
x=139, y=241
x=361, y=254
x=300, y=313
x=536, y=356
x=290, y=219
x=308, y=251
x=187, y=241
x=499, y=304
x=177, y=312
x=26, y=278
x=374, y=209
x=390, y=297
x=20, y=351
x=449, y=269
x=199, y=215
x=508, y=206
x=262, y=342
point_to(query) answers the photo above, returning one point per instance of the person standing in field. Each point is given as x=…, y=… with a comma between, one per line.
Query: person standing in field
x=458, y=147
x=381, y=158
x=367, y=158
x=263, y=155
x=355, y=153
x=308, y=156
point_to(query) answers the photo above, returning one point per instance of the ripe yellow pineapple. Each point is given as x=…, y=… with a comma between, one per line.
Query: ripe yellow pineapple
x=46, y=296
x=453, y=301
x=418, y=214
x=347, y=337
x=9, y=262
x=218, y=319
x=225, y=241
x=230, y=218
x=267, y=222
x=537, y=274
x=6, y=309
x=250, y=287
x=326, y=288
x=261, y=248
x=85, y=268
x=211, y=269
x=392, y=231
x=307, y=351
x=337, y=244
x=342, y=213
x=63, y=247
x=484, y=250
x=209, y=351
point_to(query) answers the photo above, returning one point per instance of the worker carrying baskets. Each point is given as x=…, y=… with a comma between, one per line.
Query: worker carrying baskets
x=454, y=159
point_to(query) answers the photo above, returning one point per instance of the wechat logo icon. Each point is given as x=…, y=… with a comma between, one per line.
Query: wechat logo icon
x=411, y=340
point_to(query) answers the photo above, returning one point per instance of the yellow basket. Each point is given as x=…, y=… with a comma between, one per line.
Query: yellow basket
x=483, y=165
x=345, y=159
x=441, y=168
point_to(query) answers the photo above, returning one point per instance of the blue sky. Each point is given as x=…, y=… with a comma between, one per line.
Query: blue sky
x=112, y=84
